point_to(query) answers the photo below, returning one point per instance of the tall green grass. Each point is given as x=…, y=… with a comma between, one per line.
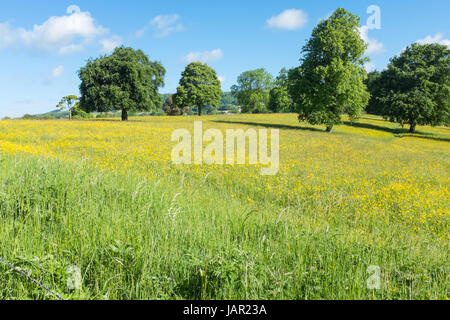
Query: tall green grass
x=179, y=238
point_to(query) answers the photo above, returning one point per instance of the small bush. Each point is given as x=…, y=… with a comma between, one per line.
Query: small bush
x=78, y=114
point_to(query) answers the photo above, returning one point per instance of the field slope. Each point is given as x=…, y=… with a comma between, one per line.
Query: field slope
x=103, y=196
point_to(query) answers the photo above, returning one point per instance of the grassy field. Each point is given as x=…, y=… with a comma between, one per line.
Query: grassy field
x=105, y=197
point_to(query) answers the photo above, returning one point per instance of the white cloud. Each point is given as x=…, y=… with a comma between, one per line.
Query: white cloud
x=369, y=66
x=57, y=72
x=64, y=34
x=61, y=31
x=108, y=45
x=140, y=33
x=290, y=19
x=7, y=35
x=70, y=49
x=205, y=56
x=222, y=79
x=438, y=38
x=164, y=25
x=374, y=46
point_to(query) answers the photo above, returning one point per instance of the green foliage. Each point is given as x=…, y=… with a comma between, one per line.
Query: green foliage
x=68, y=103
x=56, y=114
x=417, y=86
x=199, y=86
x=252, y=90
x=164, y=96
x=107, y=115
x=376, y=87
x=71, y=104
x=228, y=99
x=126, y=80
x=78, y=113
x=234, y=109
x=139, y=238
x=44, y=117
x=330, y=80
x=171, y=109
x=279, y=98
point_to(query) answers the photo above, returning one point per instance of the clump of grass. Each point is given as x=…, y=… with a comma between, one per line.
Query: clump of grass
x=175, y=238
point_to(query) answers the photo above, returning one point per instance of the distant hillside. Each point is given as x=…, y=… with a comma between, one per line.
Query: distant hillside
x=55, y=114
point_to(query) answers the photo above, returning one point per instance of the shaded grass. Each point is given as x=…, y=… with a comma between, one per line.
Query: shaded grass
x=270, y=125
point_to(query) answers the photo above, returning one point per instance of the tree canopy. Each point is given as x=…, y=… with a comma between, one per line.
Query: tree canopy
x=171, y=109
x=252, y=90
x=199, y=86
x=68, y=102
x=376, y=88
x=417, y=86
x=126, y=80
x=329, y=82
x=279, y=98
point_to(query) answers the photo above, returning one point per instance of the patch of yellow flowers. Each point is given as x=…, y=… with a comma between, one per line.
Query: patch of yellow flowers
x=363, y=171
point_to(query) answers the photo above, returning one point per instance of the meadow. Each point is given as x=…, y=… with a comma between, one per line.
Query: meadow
x=103, y=195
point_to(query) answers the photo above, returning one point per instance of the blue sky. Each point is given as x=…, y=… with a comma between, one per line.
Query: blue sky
x=43, y=43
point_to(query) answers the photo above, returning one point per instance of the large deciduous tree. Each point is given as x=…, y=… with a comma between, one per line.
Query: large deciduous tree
x=252, y=90
x=330, y=81
x=126, y=80
x=418, y=83
x=199, y=86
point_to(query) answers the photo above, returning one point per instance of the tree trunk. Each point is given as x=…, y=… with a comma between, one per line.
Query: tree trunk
x=199, y=110
x=124, y=115
x=70, y=114
x=412, y=128
x=329, y=128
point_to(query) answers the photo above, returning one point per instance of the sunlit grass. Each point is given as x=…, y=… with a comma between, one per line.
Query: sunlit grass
x=104, y=195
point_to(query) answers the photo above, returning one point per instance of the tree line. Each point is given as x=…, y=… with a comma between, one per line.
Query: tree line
x=331, y=81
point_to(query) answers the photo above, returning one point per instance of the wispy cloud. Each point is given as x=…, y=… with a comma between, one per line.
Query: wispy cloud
x=57, y=72
x=369, y=66
x=163, y=26
x=204, y=56
x=109, y=44
x=54, y=74
x=374, y=46
x=7, y=35
x=290, y=19
x=71, y=49
x=438, y=38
